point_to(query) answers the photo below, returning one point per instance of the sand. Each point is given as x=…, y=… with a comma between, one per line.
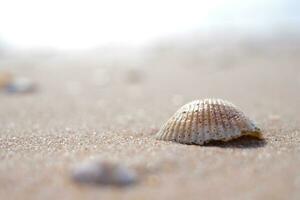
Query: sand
x=104, y=105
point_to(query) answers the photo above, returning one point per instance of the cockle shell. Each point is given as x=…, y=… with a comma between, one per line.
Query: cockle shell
x=202, y=121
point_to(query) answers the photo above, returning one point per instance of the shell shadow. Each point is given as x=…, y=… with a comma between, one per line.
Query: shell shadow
x=241, y=142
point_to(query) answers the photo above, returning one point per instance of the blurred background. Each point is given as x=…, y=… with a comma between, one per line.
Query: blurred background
x=80, y=78
x=77, y=25
x=144, y=53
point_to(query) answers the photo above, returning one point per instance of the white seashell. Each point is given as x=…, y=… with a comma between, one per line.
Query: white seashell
x=104, y=173
x=202, y=121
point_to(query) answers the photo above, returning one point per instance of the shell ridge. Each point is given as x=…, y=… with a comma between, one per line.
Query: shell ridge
x=160, y=132
x=240, y=121
x=186, y=125
x=183, y=114
x=209, y=116
x=207, y=125
x=233, y=125
x=189, y=130
x=199, y=127
x=202, y=124
x=221, y=127
x=195, y=124
x=176, y=124
x=200, y=137
x=177, y=127
x=225, y=120
x=166, y=129
x=214, y=120
x=170, y=133
x=180, y=115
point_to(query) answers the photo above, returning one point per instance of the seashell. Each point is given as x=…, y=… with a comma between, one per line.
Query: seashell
x=103, y=173
x=202, y=121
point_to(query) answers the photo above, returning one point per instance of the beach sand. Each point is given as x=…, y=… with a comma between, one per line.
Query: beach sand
x=87, y=106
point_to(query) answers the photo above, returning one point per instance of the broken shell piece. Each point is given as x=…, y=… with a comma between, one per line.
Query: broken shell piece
x=103, y=173
x=202, y=121
x=21, y=85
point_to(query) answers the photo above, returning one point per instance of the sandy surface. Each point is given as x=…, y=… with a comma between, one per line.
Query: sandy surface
x=87, y=106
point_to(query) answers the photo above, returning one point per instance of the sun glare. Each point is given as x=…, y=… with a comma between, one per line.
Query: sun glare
x=69, y=24
x=84, y=24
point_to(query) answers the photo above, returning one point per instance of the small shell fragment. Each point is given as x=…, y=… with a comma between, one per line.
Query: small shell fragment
x=202, y=121
x=103, y=173
x=21, y=85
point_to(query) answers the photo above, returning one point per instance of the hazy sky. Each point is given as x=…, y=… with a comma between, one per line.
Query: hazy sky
x=71, y=24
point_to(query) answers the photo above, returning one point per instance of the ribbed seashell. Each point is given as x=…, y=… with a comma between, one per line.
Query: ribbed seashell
x=202, y=121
